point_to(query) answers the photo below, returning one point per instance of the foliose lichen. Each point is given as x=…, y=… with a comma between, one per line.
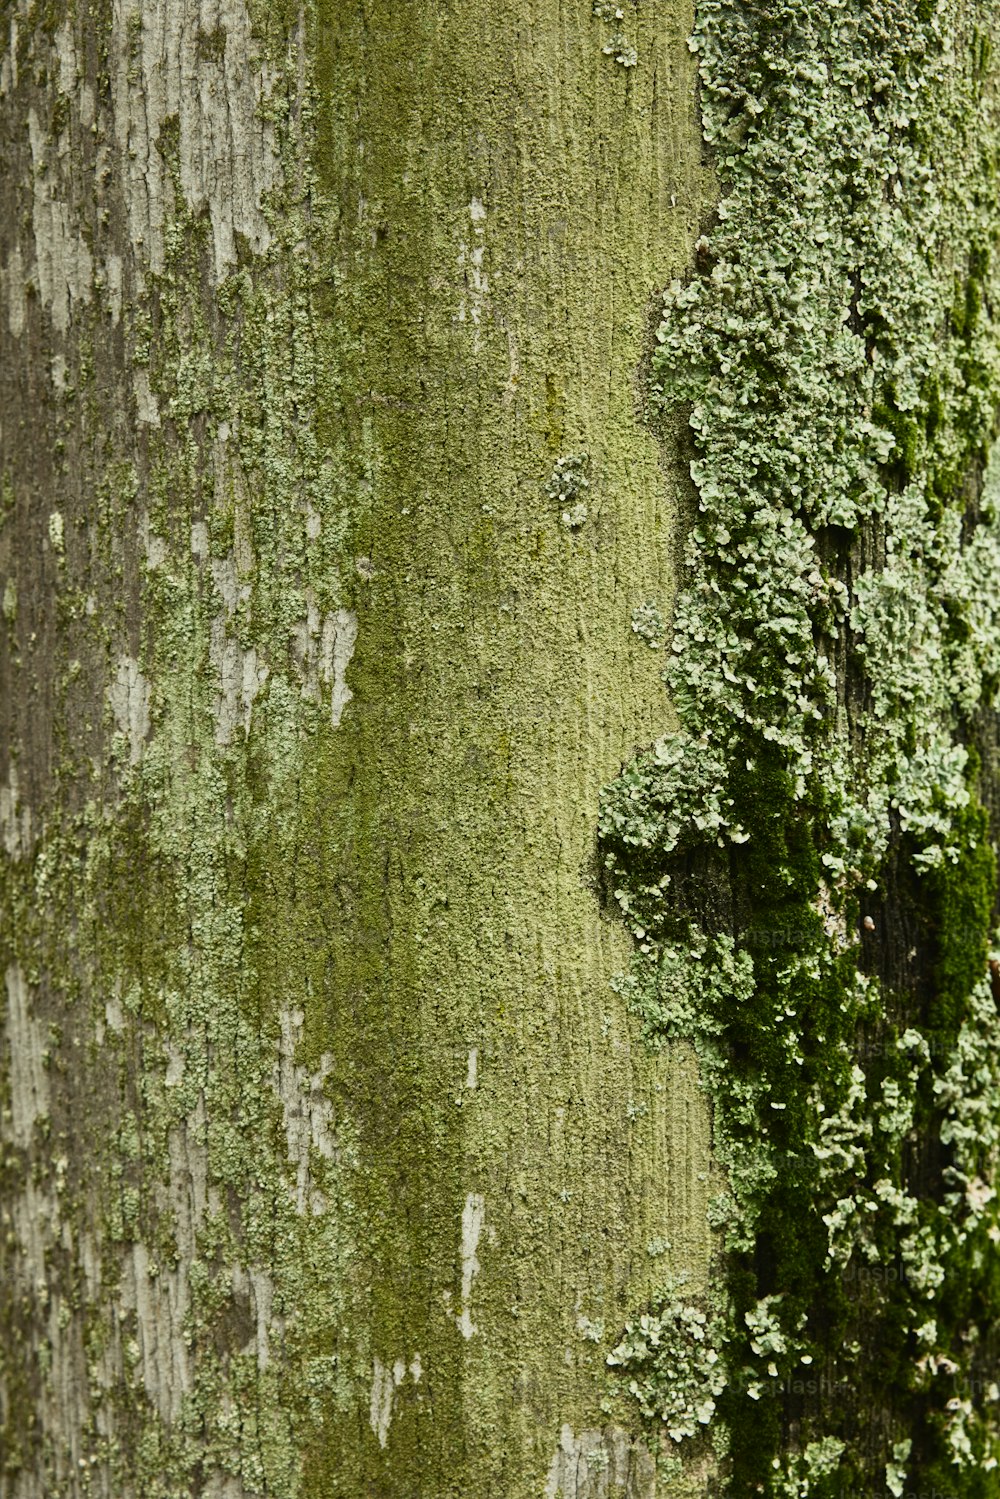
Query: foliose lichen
x=673, y=1352
x=648, y=623
x=807, y=864
x=618, y=45
x=567, y=485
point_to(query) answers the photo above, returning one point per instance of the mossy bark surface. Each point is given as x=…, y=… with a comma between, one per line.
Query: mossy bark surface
x=332, y=1163
x=359, y=486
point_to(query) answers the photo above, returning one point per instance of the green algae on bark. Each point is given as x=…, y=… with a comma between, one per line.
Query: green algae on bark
x=302, y=906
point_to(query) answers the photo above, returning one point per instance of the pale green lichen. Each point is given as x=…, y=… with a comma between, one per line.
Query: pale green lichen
x=818, y=1460
x=835, y=668
x=648, y=623
x=567, y=485
x=673, y=1363
x=618, y=44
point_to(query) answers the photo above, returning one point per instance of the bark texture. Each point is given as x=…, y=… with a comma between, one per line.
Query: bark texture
x=333, y=543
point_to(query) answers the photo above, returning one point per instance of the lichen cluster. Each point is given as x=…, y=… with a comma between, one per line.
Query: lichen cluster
x=806, y=865
x=567, y=485
x=675, y=1367
x=618, y=44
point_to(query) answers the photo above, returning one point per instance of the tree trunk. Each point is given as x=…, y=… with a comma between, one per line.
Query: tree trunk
x=438, y=1059
x=331, y=1160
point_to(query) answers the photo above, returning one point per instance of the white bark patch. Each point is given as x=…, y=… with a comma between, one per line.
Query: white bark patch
x=129, y=699
x=86, y=101
x=323, y=648
x=199, y=549
x=113, y=1020
x=257, y=1287
x=473, y=1214
x=224, y=1486
x=160, y=1295
x=386, y=1380
x=241, y=679
x=241, y=675
x=380, y=1406
x=15, y=819
x=115, y=1015
x=66, y=55
x=14, y=293
x=62, y=1400
x=174, y=1075
x=147, y=408
x=472, y=302
x=472, y=1071
x=63, y=262
x=195, y=61
x=262, y=1298
x=156, y=549
x=113, y=286
x=27, y=1078
x=340, y=633
x=308, y=1113
x=600, y=1465
x=35, y=1219
x=834, y=920
x=90, y=1264
x=161, y=1300
x=8, y=59
x=223, y=570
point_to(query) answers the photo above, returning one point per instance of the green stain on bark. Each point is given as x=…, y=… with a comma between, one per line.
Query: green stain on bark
x=367, y=1128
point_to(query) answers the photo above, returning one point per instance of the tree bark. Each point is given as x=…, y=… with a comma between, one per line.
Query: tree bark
x=436, y=1059
x=332, y=1163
